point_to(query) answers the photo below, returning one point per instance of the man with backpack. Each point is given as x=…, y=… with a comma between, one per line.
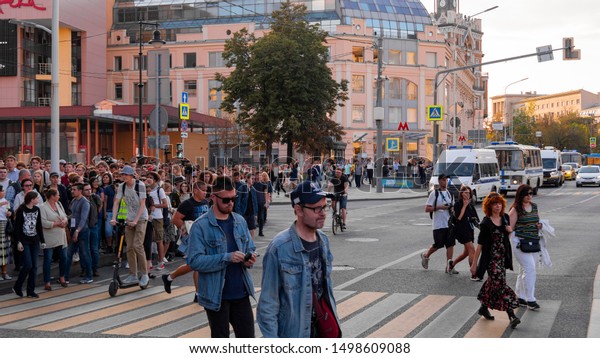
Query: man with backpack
x=94, y=225
x=134, y=194
x=438, y=205
x=160, y=203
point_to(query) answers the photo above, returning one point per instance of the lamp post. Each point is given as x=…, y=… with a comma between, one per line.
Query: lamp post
x=157, y=42
x=454, y=74
x=511, y=126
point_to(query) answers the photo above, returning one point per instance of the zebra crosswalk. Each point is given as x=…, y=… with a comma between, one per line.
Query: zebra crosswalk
x=88, y=309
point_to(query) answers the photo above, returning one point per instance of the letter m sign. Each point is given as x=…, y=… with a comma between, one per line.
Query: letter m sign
x=403, y=126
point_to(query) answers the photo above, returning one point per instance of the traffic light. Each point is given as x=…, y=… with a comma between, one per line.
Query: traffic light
x=179, y=147
x=569, y=52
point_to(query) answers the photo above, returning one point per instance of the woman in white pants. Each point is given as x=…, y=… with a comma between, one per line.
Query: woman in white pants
x=525, y=221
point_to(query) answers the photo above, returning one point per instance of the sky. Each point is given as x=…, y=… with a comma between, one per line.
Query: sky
x=518, y=27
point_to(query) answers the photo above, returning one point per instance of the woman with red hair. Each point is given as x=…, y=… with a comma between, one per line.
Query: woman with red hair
x=496, y=256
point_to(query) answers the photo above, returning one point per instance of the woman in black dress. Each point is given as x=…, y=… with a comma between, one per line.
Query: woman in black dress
x=466, y=219
x=496, y=256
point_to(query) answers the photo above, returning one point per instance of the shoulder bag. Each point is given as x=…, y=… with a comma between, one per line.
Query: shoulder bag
x=529, y=245
x=325, y=324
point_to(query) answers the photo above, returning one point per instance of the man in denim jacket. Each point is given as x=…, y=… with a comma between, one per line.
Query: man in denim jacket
x=218, y=244
x=297, y=262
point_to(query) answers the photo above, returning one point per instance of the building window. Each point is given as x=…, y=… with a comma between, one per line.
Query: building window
x=431, y=59
x=411, y=58
x=358, y=83
x=136, y=62
x=190, y=87
x=118, y=65
x=395, y=88
x=215, y=59
x=358, y=54
x=395, y=115
x=429, y=87
x=189, y=60
x=411, y=115
x=358, y=114
x=118, y=91
x=394, y=57
x=136, y=93
x=213, y=90
x=411, y=91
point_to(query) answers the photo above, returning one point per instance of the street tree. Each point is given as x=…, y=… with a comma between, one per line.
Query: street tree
x=281, y=85
x=524, y=125
x=567, y=132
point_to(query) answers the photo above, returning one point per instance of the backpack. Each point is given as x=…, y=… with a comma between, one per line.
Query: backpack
x=437, y=194
x=93, y=215
x=165, y=211
x=136, y=188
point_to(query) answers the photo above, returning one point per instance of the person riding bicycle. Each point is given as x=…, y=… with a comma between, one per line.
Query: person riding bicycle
x=339, y=183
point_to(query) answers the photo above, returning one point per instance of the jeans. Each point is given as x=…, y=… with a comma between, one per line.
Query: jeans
x=95, y=245
x=62, y=262
x=83, y=244
x=236, y=312
x=29, y=267
x=108, y=228
x=357, y=179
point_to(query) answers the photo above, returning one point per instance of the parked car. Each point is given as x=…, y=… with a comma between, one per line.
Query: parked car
x=589, y=174
x=568, y=172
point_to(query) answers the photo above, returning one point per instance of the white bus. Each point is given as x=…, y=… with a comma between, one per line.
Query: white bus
x=519, y=164
x=476, y=168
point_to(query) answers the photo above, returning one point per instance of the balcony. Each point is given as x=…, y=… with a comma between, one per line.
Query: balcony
x=477, y=88
x=44, y=101
x=44, y=69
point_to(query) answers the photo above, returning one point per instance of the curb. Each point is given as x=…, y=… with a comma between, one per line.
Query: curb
x=594, y=326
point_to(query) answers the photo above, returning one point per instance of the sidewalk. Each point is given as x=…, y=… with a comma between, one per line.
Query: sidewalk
x=366, y=193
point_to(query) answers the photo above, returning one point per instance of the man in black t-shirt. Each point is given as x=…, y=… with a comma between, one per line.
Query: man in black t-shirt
x=339, y=183
x=189, y=210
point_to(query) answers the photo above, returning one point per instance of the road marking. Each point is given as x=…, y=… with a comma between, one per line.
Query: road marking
x=406, y=322
x=355, y=303
x=451, y=320
x=376, y=270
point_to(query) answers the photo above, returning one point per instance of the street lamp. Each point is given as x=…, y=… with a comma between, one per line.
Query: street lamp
x=156, y=42
x=511, y=127
x=454, y=124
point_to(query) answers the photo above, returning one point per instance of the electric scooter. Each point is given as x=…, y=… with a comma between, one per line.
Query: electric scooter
x=116, y=282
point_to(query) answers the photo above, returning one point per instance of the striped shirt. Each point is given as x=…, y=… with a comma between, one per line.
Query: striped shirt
x=526, y=226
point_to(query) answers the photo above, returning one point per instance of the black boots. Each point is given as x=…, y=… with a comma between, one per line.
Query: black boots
x=483, y=311
x=514, y=320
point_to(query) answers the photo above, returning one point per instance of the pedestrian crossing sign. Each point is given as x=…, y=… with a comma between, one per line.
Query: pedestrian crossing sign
x=184, y=111
x=435, y=113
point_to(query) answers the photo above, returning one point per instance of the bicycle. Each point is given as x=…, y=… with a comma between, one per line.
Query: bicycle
x=336, y=220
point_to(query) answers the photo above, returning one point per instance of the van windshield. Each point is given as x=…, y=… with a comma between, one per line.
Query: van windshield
x=454, y=169
x=509, y=159
x=549, y=163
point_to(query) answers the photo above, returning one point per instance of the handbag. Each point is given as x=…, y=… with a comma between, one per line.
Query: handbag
x=325, y=323
x=529, y=245
x=10, y=228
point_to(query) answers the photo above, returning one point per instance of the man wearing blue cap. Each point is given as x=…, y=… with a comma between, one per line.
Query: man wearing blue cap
x=296, y=283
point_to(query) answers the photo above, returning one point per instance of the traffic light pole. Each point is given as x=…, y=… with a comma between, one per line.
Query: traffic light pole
x=450, y=70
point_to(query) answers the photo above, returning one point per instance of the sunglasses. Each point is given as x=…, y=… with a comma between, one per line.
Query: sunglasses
x=227, y=200
x=530, y=193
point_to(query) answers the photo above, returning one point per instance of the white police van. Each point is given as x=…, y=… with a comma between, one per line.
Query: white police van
x=476, y=168
x=551, y=163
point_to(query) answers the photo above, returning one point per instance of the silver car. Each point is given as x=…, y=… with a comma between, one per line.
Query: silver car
x=589, y=174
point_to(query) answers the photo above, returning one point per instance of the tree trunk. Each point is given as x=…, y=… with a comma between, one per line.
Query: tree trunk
x=269, y=152
x=290, y=150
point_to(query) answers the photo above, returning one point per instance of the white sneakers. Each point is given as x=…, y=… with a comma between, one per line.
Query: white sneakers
x=144, y=281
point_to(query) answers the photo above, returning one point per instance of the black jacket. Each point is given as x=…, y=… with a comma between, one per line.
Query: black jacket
x=487, y=228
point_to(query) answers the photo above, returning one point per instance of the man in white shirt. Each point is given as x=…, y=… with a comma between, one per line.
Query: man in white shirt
x=439, y=203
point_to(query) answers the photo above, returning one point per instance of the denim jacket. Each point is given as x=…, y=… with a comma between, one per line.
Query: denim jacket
x=207, y=254
x=285, y=303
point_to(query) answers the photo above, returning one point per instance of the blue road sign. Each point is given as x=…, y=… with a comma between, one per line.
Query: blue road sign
x=184, y=97
x=184, y=111
x=184, y=126
x=434, y=113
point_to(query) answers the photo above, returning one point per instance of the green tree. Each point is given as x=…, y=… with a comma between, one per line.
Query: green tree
x=282, y=85
x=525, y=125
x=567, y=132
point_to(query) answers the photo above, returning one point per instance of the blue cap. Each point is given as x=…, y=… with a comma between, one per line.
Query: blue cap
x=127, y=170
x=307, y=193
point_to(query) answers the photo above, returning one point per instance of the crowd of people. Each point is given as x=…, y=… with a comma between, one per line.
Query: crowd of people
x=210, y=217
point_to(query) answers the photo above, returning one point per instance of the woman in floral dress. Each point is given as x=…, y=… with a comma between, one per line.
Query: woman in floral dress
x=496, y=256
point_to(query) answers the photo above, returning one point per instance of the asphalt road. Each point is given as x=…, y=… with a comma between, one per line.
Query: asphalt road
x=381, y=288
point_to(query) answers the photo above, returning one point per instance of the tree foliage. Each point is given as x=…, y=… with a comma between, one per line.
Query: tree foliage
x=282, y=85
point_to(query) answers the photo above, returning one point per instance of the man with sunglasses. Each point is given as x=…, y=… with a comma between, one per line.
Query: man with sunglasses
x=297, y=271
x=221, y=250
